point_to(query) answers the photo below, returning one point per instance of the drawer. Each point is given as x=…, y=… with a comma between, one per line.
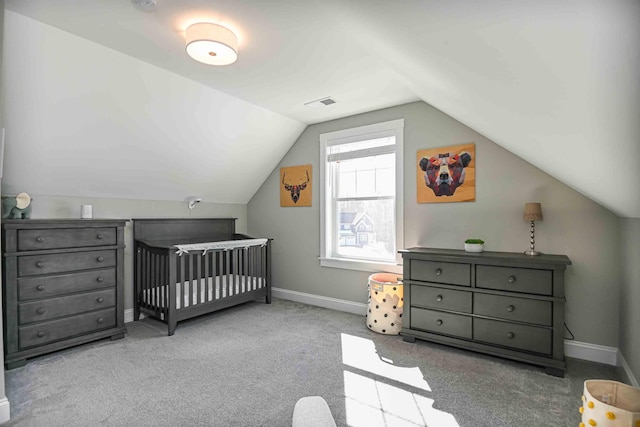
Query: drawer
x=441, y=272
x=38, y=311
x=522, y=337
x=440, y=322
x=56, y=330
x=442, y=299
x=49, y=286
x=513, y=308
x=514, y=279
x=58, y=263
x=60, y=238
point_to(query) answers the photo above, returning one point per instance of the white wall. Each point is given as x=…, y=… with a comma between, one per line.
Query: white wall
x=630, y=295
x=86, y=120
x=573, y=225
x=4, y=402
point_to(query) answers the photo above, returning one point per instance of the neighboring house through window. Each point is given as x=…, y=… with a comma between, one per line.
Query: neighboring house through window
x=361, y=197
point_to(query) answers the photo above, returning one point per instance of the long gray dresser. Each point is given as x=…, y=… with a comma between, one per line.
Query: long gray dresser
x=499, y=303
x=62, y=284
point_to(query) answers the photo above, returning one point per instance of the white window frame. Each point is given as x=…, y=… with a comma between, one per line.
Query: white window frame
x=361, y=133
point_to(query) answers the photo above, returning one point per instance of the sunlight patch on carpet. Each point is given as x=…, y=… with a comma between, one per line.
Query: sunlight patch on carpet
x=373, y=402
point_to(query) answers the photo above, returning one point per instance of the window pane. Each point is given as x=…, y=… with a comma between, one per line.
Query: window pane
x=366, y=176
x=366, y=229
x=361, y=145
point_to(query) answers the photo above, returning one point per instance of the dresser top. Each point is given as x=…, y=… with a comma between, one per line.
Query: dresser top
x=65, y=222
x=457, y=255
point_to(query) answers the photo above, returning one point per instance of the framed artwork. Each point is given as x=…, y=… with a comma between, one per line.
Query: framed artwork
x=295, y=186
x=446, y=174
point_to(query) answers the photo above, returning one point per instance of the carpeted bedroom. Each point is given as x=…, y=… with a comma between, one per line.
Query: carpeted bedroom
x=249, y=365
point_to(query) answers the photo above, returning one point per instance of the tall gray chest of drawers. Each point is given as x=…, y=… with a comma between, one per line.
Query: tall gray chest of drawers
x=62, y=284
x=504, y=304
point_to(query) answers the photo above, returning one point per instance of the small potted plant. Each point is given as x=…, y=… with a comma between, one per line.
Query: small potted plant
x=474, y=245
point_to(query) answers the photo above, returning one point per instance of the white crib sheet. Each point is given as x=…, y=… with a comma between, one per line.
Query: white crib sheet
x=210, y=290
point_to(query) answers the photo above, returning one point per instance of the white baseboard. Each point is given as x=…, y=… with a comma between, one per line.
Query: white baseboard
x=627, y=369
x=320, y=301
x=5, y=410
x=128, y=315
x=575, y=349
x=591, y=352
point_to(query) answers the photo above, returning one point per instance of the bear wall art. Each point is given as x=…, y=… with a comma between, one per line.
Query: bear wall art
x=446, y=174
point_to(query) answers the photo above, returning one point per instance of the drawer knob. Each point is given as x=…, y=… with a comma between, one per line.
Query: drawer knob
x=439, y=298
x=510, y=308
x=40, y=334
x=511, y=279
x=438, y=271
x=100, y=258
x=100, y=279
x=40, y=310
x=40, y=239
x=40, y=287
x=511, y=335
x=100, y=236
x=39, y=264
x=100, y=299
x=100, y=320
x=439, y=322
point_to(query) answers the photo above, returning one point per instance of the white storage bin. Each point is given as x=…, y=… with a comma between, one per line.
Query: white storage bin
x=384, y=311
x=608, y=403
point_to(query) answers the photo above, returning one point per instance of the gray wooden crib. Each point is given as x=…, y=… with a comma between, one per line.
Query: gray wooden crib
x=173, y=281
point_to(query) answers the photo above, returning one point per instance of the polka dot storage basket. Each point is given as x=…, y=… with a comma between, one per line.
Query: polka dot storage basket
x=384, y=311
x=610, y=404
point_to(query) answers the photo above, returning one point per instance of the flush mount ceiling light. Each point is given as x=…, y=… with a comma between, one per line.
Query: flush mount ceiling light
x=212, y=44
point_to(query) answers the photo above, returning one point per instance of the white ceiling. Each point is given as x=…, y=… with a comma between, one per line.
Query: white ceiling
x=556, y=83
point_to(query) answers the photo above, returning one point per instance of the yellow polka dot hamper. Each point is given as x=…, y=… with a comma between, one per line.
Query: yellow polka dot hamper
x=384, y=311
x=608, y=403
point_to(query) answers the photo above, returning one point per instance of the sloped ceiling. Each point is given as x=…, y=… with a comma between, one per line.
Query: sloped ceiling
x=556, y=83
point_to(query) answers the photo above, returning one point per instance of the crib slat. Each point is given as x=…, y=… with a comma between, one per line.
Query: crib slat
x=191, y=280
x=207, y=271
x=181, y=282
x=230, y=287
x=199, y=278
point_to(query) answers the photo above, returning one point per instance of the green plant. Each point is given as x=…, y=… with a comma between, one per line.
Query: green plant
x=475, y=241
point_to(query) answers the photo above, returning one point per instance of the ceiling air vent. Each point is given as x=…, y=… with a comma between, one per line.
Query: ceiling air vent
x=145, y=5
x=318, y=103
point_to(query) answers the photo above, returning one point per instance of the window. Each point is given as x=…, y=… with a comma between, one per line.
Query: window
x=361, y=197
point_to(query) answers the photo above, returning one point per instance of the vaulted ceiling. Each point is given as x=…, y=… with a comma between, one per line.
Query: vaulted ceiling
x=556, y=83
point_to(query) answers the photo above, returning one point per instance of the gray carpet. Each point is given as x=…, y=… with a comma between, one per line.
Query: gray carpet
x=248, y=365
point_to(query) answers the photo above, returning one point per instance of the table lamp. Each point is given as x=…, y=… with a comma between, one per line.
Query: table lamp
x=533, y=213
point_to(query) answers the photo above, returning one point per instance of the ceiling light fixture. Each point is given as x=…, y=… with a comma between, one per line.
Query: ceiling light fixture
x=212, y=44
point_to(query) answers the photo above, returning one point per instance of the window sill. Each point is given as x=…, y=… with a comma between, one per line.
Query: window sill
x=371, y=266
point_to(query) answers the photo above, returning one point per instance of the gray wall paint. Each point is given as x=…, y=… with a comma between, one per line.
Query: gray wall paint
x=69, y=207
x=630, y=294
x=573, y=224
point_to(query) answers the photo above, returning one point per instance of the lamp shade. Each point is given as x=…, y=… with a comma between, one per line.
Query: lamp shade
x=212, y=44
x=532, y=212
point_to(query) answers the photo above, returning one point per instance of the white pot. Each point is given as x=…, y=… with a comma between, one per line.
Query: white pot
x=473, y=247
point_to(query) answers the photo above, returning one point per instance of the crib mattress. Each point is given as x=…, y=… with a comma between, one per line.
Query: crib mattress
x=211, y=289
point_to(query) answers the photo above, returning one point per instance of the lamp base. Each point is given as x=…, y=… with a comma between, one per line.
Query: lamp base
x=532, y=253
